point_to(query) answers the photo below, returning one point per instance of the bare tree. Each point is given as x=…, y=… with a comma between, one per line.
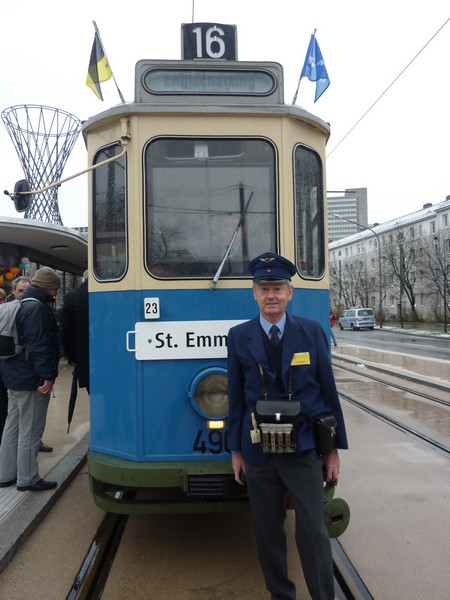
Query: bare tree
x=353, y=283
x=434, y=263
x=400, y=255
x=336, y=284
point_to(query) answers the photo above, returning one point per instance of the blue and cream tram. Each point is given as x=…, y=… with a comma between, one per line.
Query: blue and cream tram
x=206, y=169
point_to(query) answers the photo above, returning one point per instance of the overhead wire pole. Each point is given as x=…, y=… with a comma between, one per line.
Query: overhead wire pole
x=122, y=99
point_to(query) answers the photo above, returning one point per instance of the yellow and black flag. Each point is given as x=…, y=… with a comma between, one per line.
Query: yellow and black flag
x=99, y=69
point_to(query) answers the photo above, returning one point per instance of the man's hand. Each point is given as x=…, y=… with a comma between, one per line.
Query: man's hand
x=46, y=387
x=331, y=462
x=238, y=467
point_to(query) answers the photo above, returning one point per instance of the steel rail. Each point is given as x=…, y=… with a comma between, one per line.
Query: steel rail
x=434, y=444
x=347, y=582
x=396, y=374
x=93, y=574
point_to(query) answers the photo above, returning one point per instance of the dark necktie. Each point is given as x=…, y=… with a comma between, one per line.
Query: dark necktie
x=274, y=331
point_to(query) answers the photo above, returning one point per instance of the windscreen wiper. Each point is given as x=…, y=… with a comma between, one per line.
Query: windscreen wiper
x=230, y=245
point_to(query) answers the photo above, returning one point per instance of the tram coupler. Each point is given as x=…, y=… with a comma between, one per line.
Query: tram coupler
x=337, y=511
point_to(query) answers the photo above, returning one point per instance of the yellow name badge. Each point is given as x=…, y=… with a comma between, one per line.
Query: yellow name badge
x=300, y=358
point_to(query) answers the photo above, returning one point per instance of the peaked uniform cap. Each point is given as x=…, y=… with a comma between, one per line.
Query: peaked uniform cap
x=271, y=268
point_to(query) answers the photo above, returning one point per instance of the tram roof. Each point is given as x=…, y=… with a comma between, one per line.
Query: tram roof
x=54, y=245
x=131, y=108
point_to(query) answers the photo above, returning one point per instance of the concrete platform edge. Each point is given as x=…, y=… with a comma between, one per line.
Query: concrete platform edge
x=24, y=519
x=420, y=379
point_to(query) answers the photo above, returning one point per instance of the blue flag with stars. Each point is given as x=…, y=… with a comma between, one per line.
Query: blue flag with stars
x=314, y=68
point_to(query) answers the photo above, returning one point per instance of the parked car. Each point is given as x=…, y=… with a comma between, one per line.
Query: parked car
x=357, y=318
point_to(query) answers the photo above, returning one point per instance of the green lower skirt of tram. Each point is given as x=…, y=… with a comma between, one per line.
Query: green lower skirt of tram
x=126, y=487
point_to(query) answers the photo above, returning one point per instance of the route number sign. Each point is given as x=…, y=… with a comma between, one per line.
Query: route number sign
x=208, y=41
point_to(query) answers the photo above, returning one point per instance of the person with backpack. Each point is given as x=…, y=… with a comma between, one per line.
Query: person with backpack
x=29, y=377
x=19, y=285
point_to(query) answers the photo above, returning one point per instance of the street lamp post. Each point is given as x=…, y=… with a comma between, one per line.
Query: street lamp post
x=380, y=288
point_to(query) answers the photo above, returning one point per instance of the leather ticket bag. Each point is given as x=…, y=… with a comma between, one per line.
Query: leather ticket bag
x=278, y=421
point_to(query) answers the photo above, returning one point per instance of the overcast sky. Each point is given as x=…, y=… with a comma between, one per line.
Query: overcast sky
x=399, y=151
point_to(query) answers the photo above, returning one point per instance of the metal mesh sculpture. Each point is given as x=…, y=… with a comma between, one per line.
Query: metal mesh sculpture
x=43, y=138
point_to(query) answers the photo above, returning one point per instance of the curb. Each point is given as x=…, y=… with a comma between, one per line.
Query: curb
x=28, y=514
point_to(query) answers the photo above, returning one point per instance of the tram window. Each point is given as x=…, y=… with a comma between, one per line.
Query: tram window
x=309, y=214
x=199, y=193
x=110, y=256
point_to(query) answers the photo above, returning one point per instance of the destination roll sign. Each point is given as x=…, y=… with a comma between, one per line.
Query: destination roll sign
x=208, y=41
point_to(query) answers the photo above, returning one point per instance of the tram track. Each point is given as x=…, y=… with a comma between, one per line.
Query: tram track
x=434, y=444
x=347, y=582
x=389, y=381
x=93, y=574
x=346, y=363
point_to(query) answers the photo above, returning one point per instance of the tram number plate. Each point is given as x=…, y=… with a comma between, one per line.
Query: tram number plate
x=151, y=308
x=211, y=442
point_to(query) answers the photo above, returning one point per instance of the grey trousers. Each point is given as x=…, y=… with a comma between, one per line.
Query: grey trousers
x=300, y=475
x=24, y=426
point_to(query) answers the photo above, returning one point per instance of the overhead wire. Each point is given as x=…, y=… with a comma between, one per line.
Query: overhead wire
x=388, y=88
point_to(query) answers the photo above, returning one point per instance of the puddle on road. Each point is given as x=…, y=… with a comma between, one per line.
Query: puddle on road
x=425, y=416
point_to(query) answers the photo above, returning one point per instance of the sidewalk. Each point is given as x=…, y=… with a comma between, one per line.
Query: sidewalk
x=424, y=329
x=21, y=512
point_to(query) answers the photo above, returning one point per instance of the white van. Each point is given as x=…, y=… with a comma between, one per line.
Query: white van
x=357, y=318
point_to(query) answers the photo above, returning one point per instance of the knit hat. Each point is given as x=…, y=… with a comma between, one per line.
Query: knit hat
x=46, y=279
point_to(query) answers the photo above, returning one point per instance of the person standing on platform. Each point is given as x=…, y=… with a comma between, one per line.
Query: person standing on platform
x=75, y=331
x=289, y=362
x=29, y=378
x=333, y=320
x=19, y=285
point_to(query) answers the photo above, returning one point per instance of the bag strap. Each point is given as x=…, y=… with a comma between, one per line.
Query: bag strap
x=264, y=384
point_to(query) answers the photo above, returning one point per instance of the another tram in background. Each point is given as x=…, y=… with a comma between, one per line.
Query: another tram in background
x=206, y=169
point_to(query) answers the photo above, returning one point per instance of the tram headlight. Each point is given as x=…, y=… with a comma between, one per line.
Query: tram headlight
x=209, y=393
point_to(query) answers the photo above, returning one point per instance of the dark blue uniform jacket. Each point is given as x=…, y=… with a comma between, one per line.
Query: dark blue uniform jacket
x=304, y=341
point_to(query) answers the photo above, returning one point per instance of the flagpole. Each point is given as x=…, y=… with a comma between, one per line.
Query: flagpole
x=112, y=74
x=296, y=92
x=300, y=78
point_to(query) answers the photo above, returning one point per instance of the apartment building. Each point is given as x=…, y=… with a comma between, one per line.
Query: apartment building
x=401, y=268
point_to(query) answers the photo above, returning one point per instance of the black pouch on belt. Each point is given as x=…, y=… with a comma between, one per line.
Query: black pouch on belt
x=324, y=433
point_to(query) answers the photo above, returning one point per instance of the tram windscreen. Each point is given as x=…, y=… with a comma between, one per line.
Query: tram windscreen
x=203, y=197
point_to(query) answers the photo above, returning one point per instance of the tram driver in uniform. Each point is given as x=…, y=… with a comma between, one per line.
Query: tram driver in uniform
x=279, y=356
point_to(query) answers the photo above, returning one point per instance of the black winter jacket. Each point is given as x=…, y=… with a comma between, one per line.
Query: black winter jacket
x=38, y=334
x=75, y=331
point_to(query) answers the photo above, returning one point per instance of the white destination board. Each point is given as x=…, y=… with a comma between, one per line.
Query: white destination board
x=180, y=339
